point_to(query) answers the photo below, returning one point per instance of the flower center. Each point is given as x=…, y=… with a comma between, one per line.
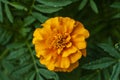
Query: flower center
x=60, y=41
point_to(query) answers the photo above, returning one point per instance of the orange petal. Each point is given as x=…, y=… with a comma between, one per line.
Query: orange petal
x=65, y=62
x=68, y=38
x=50, y=64
x=37, y=34
x=79, y=29
x=40, y=45
x=68, y=51
x=67, y=24
x=75, y=57
x=52, y=24
x=68, y=44
x=78, y=38
x=83, y=52
x=59, y=50
x=80, y=45
x=73, y=66
x=58, y=61
x=79, y=41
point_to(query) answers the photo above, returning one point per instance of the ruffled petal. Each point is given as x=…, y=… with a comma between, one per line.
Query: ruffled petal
x=80, y=30
x=66, y=24
x=65, y=62
x=83, y=52
x=75, y=57
x=68, y=51
x=37, y=34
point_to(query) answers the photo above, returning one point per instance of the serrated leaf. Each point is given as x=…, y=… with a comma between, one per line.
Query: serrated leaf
x=8, y=13
x=15, y=45
x=93, y=6
x=93, y=76
x=116, y=5
x=48, y=74
x=17, y=53
x=1, y=14
x=38, y=77
x=18, y=6
x=22, y=69
x=56, y=3
x=109, y=49
x=24, y=31
x=115, y=72
x=31, y=75
x=106, y=74
x=5, y=36
x=2, y=36
x=82, y=4
x=117, y=46
x=29, y=20
x=99, y=64
x=7, y=65
x=39, y=17
x=47, y=9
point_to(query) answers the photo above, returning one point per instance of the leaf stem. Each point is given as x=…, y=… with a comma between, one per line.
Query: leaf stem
x=31, y=7
x=31, y=52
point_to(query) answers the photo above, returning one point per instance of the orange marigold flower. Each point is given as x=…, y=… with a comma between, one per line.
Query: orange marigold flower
x=60, y=43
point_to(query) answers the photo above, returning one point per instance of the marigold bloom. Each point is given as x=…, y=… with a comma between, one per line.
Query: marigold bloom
x=60, y=43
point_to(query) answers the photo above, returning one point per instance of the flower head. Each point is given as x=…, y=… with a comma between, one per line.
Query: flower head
x=60, y=43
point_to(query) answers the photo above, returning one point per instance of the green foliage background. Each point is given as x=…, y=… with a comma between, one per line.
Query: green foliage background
x=19, y=18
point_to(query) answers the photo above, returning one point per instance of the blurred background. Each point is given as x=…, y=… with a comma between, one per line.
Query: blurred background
x=19, y=18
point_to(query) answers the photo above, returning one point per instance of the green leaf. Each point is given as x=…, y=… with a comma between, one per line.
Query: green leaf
x=38, y=77
x=39, y=17
x=7, y=66
x=116, y=16
x=115, y=72
x=56, y=3
x=17, y=53
x=3, y=76
x=15, y=45
x=2, y=36
x=116, y=5
x=1, y=14
x=5, y=36
x=22, y=69
x=47, y=9
x=93, y=6
x=31, y=75
x=117, y=46
x=24, y=31
x=109, y=49
x=48, y=74
x=8, y=13
x=106, y=74
x=82, y=4
x=29, y=20
x=99, y=64
x=18, y=6
x=93, y=76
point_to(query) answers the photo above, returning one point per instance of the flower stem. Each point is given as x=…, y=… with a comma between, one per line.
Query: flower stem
x=31, y=52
